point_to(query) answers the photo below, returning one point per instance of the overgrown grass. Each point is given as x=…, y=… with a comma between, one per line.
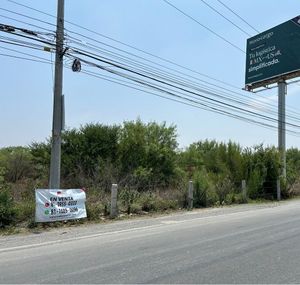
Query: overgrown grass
x=19, y=210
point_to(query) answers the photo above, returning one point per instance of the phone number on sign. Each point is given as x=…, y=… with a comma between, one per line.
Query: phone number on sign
x=64, y=204
x=63, y=211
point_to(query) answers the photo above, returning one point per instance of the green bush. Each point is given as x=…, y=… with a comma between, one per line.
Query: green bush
x=148, y=202
x=201, y=188
x=7, y=210
x=94, y=211
x=128, y=197
x=25, y=210
x=224, y=187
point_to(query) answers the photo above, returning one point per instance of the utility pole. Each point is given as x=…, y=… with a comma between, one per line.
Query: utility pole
x=281, y=125
x=54, y=180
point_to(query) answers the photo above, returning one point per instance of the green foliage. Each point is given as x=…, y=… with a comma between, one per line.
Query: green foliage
x=202, y=187
x=2, y=176
x=255, y=184
x=224, y=187
x=17, y=162
x=128, y=197
x=149, y=202
x=262, y=169
x=293, y=170
x=215, y=158
x=152, y=173
x=7, y=210
x=41, y=159
x=148, y=151
x=25, y=210
x=86, y=151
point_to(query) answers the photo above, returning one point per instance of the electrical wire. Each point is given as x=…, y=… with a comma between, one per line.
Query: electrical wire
x=180, y=88
x=195, y=105
x=125, y=44
x=23, y=53
x=203, y=26
x=224, y=17
x=28, y=17
x=201, y=90
x=24, y=58
x=190, y=104
x=169, y=85
x=184, y=81
x=236, y=14
x=255, y=102
x=50, y=32
x=156, y=80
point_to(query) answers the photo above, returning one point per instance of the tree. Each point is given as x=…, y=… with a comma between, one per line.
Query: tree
x=148, y=152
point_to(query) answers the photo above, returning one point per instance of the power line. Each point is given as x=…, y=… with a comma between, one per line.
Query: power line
x=177, y=71
x=24, y=53
x=152, y=86
x=21, y=43
x=152, y=78
x=228, y=8
x=92, y=39
x=132, y=54
x=50, y=32
x=188, y=83
x=29, y=17
x=224, y=17
x=24, y=58
x=205, y=27
x=202, y=90
x=257, y=102
x=195, y=104
x=192, y=103
x=127, y=45
x=140, y=74
x=167, y=84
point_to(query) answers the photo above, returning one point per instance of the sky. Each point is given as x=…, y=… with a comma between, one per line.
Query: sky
x=26, y=99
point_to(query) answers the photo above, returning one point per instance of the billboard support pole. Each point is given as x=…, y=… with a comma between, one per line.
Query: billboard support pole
x=282, y=88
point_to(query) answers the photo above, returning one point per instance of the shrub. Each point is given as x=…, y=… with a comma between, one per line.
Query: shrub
x=201, y=187
x=7, y=210
x=148, y=202
x=224, y=186
x=25, y=210
x=128, y=197
x=94, y=211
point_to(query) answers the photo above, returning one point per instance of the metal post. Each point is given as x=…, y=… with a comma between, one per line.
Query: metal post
x=244, y=190
x=190, y=195
x=113, y=203
x=281, y=125
x=54, y=180
x=278, y=190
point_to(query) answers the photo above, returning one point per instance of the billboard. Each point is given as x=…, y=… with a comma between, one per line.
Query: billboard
x=273, y=54
x=59, y=205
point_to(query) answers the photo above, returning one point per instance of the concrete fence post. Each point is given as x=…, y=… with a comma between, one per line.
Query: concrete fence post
x=244, y=190
x=113, y=204
x=190, y=195
x=278, y=190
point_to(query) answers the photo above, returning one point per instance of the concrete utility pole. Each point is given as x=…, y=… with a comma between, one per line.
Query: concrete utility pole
x=281, y=125
x=54, y=180
x=114, y=201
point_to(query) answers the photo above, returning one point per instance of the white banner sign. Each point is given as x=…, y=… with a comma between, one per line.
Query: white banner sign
x=59, y=205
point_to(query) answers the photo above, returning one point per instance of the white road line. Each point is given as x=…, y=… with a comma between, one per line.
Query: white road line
x=162, y=224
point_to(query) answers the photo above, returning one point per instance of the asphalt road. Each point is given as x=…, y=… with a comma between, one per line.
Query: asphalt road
x=245, y=244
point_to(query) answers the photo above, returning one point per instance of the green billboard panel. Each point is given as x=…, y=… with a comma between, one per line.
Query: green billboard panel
x=273, y=54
